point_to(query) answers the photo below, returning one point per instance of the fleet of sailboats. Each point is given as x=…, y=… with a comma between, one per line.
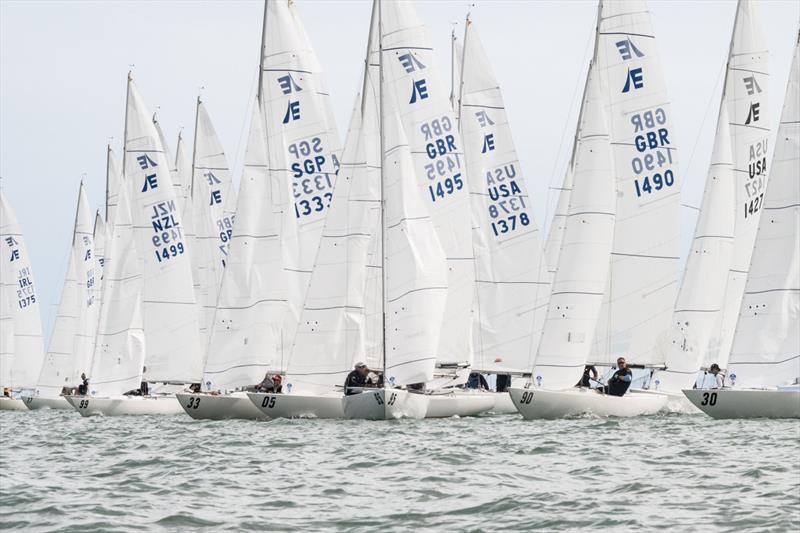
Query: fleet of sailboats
x=412, y=253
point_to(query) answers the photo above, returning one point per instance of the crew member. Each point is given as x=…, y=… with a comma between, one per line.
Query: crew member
x=621, y=380
x=356, y=379
x=719, y=377
x=83, y=388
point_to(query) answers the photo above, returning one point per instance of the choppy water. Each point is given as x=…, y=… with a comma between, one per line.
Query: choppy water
x=61, y=472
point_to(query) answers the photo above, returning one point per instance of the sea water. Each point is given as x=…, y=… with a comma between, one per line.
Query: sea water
x=62, y=472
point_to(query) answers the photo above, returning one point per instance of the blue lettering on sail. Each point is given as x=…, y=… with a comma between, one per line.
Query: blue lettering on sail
x=418, y=89
x=627, y=49
x=488, y=143
x=635, y=78
x=145, y=162
x=410, y=63
x=292, y=112
x=288, y=85
x=150, y=182
x=751, y=85
x=483, y=119
x=753, y=113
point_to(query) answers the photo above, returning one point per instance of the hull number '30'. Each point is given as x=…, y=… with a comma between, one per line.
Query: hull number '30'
x=527, y=397
x=194, y=403
x=709, y=398
x=379, y=398
x=268, y=402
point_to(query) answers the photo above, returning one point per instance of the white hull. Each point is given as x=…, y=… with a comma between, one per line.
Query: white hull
x=125, y=405
x=746, y=403
x=220, y=407
x=12, y=404
x=459, y=403
x=385, y=404
x=297, y=405
x=34, y=403
x=677, y=403
x=503, y=405
x=539, y=403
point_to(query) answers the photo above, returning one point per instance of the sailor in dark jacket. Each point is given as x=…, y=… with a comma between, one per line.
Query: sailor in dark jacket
x=356, y=379
x=621, y=380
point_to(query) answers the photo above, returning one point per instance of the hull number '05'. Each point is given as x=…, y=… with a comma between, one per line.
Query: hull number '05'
x=268, y=402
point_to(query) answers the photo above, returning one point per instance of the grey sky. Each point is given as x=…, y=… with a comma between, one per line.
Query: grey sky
x=63, y=67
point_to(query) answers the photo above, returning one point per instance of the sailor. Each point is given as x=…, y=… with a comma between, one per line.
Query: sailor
x=503, y=382
x=144, y=388
x=719, y=377
x=83, y=388
x=621, y=380
x=356, y=379
x=270, y=383
x=586, y=379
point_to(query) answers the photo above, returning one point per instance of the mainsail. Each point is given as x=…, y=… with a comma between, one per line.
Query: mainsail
x=583, y=265
x=414, y=88
x=168, y=303
x=644, y=262
x=747, y=100
x=72, y=341
x=252, y=307
x=766, y=347
x=20, y=291
x=511, y=275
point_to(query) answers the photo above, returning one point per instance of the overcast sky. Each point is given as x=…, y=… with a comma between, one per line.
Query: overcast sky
x=63, y=66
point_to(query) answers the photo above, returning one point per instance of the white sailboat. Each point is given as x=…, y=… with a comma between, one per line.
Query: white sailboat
x=252, y=309
x=764, y=367
x=512, y=281
x=747, y=100
x=148, y=313
x=22, y=352
x=69, y=353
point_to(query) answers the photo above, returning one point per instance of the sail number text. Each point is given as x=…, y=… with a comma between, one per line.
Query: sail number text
x=444, y=167
x=652, y=168
x=312, y=176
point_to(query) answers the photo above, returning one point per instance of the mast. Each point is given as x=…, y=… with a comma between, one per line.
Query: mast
x=261, y=54
x=453, y=65
x=77, y=208
x=383, y=199
x=108, y=169
x=125, y=124
x=463, y=59
x=194, y=144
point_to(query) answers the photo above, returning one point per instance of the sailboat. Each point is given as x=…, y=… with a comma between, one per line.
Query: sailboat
x=72, y=340
x=252, y=307
x=148, y=329
x=21, y=350
x=764, y=368
x=511, y=275
x=639, y=287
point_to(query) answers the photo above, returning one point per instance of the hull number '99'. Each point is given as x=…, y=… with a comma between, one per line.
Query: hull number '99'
x=268, y=401
x=194, y=403
x=527, y=397
x=84, y=404
x=379, y=398
x=709, y=399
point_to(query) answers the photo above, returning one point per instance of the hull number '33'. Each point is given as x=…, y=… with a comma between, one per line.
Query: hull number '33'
x=194, y=403
x=379, y=398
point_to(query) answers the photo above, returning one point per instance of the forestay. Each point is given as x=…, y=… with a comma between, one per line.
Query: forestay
x=702, y=290
x=583, y=264
x=302, y=139
x=72, y=341
x=747, y=99
x=20, y=290
x=168, y=303
x=643, y=280
x=414, y=88
x=120, y=347
x=113, y=184
x=511, y=274
x=766, y=347
x=252, y=306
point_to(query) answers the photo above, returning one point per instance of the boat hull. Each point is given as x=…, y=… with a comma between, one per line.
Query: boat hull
x=125, y=405
x=459, y=403
x=12, y=404
x=272, y=405
x=550, y=405
x=503, y=405
x=219, y=407
x=746, y=403
x=385, y=404
x=35, y=403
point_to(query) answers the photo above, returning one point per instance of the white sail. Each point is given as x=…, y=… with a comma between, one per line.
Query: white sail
x=168, y=303
x=583, y=265
x=414, y=87
x=702, y=290
x=20, y=289
x=643, y=280
x=252, y=306
x=511, y=274
x=302, y=138
x=415, y=271
x=747, y=99
x=183, y=166
x=6, y=336
x=120, y=345
x=766, y=347
x=331, y=333
x=113, y=183
x=99, y=234
x=173, y=165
